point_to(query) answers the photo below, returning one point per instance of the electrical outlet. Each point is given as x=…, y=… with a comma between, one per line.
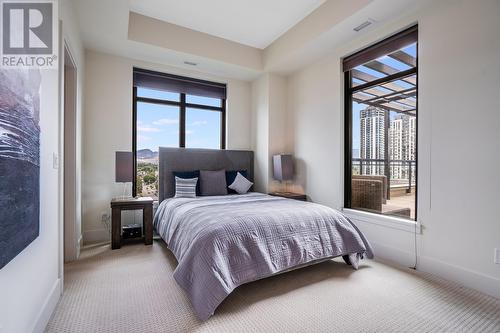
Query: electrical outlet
x=105, y=220
x=105, y=217
x=497, y=256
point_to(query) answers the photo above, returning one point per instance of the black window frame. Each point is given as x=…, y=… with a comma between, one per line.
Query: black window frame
x=182, y=104
x=369, y=53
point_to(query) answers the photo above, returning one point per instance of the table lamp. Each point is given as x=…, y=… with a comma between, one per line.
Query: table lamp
x=283, y=167
x=124, y=169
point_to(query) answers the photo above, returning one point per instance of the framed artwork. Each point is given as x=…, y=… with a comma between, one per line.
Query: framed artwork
x=19, y=161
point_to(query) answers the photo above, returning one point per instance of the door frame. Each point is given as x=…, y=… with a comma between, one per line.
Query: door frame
x=69, y=159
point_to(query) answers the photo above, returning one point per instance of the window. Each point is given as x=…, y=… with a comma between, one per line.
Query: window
x=172, y=111
x=381, y=127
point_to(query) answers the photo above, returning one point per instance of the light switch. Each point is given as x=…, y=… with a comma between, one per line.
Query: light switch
x=55, y=161
x=497, y=256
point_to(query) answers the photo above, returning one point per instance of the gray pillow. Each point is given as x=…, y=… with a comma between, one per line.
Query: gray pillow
x=185, y=187
x=213, y=182
x=241, y=185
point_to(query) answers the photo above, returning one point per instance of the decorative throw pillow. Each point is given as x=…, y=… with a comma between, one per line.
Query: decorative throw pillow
x=213, y=182
x=241, y=185
x=185, y=187
x=189, y=175
x=231, y=176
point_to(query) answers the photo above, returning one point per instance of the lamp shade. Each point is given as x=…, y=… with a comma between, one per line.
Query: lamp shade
x=283, y=167
x=124, y=167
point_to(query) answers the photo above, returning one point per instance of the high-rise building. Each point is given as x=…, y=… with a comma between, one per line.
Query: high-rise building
x=402, y=142
x=402, y=145
x=372, y=122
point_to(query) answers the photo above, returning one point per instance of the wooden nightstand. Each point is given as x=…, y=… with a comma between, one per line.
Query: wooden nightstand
x=290, y=195
x=117, y=205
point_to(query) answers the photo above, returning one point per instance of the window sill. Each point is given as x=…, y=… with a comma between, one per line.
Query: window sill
x=383, y=220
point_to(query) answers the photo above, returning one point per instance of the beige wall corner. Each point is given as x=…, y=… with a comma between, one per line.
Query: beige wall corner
x=151, y=31
x=325, y=18
x=269, y=125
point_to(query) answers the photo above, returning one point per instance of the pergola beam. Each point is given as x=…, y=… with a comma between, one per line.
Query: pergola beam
x=411, y=92
x=381, y=67
x=387, y=70
x=365, y=77
x=398, y=100
x=378, y=99
x=398, y=96
x=395, y=106
x=387, y=107
x=404, y=57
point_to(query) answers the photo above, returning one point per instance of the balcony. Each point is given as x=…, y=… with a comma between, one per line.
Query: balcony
x=384, y=186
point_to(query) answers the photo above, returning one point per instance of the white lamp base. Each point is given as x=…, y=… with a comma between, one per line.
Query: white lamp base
x=124, y=195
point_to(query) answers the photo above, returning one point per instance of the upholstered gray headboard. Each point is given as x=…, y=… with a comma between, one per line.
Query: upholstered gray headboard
x=188, y=159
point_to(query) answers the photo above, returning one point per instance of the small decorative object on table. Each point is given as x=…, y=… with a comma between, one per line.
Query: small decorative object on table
x=131, y=231
x=290, y=195
x=117, y=205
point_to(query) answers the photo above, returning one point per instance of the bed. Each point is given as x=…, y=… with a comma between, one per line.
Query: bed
x=222, y=242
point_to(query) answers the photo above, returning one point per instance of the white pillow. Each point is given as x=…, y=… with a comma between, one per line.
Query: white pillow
x=241, y=185
x=185, y=188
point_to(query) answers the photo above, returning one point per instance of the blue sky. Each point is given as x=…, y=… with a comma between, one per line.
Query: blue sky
x=356, y=107
x=158, y=125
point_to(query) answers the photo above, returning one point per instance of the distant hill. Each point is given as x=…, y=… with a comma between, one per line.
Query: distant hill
x=146, y=154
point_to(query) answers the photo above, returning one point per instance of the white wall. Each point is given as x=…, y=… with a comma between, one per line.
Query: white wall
x=460, y=49
x=269, y=128
x=277, y=125
x=72, y=39
x=260, y=132
x=108, y=128
x=31, y=283
x=316, y=130
x=459, y=122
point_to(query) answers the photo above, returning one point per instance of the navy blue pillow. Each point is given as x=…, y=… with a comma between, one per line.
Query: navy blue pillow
x=231, y=175
x=187, y=175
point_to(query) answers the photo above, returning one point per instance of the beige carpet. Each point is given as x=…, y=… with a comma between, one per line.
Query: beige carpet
x=132, y=290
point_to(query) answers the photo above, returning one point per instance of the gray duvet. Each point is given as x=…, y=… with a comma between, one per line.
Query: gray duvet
x=222, y=242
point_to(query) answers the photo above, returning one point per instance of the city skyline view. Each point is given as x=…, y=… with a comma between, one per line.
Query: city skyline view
x=357, y=107
x=401, y=145
x=384, y=126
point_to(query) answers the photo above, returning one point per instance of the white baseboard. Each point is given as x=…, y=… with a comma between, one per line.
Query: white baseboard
x=79, y=248
x=469, y=278
x=48, y=308
x=405, y=257
x=96, y=236
x=393, y=255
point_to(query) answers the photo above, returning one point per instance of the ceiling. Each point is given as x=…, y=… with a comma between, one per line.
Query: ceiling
x=255, y=23
x=226, y=26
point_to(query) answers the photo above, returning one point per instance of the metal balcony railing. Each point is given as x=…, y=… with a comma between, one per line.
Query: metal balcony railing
x=399, y=173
